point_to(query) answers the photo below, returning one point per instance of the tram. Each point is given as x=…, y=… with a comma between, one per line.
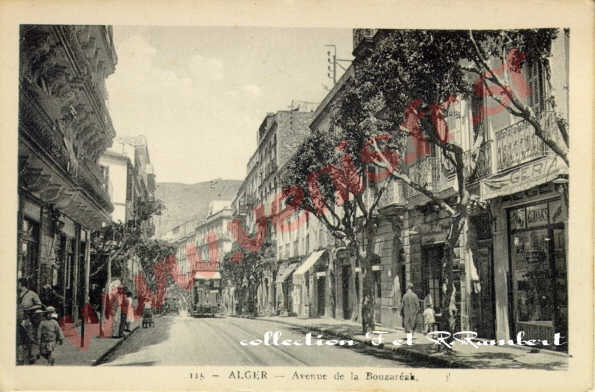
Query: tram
x=206, y=294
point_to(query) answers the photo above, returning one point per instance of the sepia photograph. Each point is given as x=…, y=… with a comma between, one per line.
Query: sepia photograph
x=258, y=204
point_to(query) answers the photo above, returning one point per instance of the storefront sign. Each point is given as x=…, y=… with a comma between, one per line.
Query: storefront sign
x=537, y=215
x=522, y=178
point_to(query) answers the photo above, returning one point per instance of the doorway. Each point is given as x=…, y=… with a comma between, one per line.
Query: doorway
x=483, y=302
x=321, y=296
x=432, y=274
x=346, y=276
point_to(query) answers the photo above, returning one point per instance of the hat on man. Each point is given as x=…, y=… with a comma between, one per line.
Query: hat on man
x=50, y=309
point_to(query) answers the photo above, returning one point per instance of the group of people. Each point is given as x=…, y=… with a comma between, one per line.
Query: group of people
x=120, y=309
x=37, y=326
x=411, y=308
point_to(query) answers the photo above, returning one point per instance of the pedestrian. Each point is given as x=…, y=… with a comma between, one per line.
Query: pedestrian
x=130, y=316
x=95, y=298
x=27, y=303
x=410, y=309
x=124, y=312
x=429, y=319
x=115, y=311
x=48, y=334
x=49, y=297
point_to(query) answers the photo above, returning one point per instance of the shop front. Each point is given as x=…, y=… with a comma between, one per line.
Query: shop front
x=529, y=210
x=307, y=286
x=537, y=253
x=284, y=287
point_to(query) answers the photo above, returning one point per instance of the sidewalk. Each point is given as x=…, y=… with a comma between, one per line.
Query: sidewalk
x=422, y=350
x=71, y=353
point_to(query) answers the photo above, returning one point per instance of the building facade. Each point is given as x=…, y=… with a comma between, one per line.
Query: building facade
x=126, y=168
x=64, y=127
x=204, y=243
x=510, y=259
x=277, y=139
x=510, y=265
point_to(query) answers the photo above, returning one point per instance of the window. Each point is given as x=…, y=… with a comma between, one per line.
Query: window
x=307, y=243
x=535, y=80
x=538, y=263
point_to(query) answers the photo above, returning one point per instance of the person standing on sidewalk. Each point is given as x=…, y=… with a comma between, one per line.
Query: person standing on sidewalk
x=130, y=316
x=49, y=297
x=48, y=334
x=410, y=309
x=115, y=311
x=27, y=303
x=429, y=319
x=123, y=327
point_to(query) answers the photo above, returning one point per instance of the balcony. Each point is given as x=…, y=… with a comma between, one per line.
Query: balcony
x=421, y=172
x=438, y=173
x=91, y=180
x=517, y=143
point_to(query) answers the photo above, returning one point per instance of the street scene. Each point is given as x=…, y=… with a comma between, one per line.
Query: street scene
x=304, y=197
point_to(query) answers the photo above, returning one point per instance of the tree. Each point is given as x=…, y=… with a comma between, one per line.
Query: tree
x=118, y=241
x=115, y=242
x=330, y=178
x=152, y=254
x=245, y=270
x=401, y=95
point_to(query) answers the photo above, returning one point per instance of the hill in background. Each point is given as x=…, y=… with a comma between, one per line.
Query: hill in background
x=187, y=201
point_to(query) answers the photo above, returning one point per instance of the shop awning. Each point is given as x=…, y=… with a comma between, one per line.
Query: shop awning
x=285, y=272
x=207, y=275
x=308, y=264
x=522, y=178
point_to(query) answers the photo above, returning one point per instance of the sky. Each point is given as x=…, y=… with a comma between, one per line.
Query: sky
x=199, y=94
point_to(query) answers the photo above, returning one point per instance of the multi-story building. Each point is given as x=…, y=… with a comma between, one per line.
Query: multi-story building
x=510, y=264
x=277, y=138
x=205, y=242
x=525, y=257
x=126, y=168
x=64, y=127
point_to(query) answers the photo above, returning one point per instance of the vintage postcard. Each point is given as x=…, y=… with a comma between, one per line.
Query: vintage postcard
x=297, y=196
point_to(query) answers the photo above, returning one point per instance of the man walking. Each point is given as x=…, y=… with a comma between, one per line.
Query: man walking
x=410, y=309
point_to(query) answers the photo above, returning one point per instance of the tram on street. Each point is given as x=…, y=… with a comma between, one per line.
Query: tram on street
x=206, y=294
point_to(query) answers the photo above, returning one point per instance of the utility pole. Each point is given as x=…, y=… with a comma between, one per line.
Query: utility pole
x=333, y=62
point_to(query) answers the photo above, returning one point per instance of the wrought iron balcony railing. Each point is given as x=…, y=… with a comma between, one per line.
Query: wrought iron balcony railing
x=517, y=143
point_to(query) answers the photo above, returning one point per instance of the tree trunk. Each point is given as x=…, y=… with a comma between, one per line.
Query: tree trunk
x=368, y=322
x=353, y=289
x=332, y=287
x=448, y=322
x=368, y=297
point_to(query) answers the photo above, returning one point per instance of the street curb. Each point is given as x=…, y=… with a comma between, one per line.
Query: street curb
x=104, y=356
x=400, y=351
